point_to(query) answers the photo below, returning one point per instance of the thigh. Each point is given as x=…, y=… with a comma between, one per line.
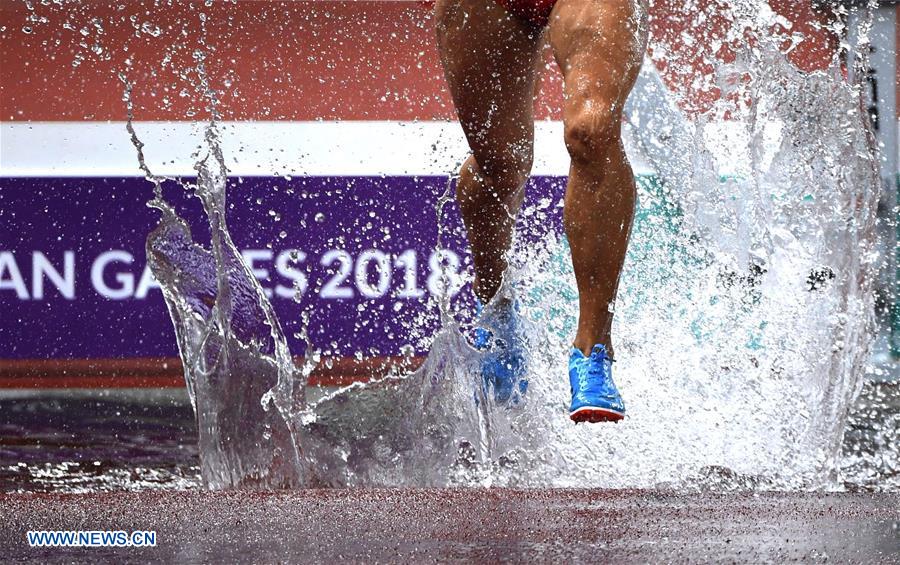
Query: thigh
x=490, y=60
x=599, y=46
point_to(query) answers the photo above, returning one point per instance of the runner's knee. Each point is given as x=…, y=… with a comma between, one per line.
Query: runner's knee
x=590, y=130
x=503, y=177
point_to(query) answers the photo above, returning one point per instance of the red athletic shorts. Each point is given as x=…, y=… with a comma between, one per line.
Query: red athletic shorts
x=535, y=11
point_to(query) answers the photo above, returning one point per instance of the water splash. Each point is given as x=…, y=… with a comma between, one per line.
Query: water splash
x=243, y=385
x=743, y=325
x=239, y=371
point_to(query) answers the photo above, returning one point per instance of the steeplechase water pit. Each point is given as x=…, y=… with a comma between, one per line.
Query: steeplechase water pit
x=301, y=238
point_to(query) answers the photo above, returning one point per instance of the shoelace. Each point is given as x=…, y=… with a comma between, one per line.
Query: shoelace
x=598, y=356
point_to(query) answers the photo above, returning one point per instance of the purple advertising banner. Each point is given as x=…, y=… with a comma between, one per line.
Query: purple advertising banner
x=358, y=253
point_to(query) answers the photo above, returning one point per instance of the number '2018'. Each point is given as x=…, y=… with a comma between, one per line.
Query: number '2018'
x=443, y=272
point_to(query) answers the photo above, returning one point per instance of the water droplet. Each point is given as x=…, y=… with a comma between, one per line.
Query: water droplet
x=151, y=29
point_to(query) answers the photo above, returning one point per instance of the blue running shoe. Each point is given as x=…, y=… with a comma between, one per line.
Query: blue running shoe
x=503, y=367
x=594, y=394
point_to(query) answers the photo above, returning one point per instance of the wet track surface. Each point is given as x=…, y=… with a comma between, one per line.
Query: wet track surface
x=466, y=525
x=72, y=463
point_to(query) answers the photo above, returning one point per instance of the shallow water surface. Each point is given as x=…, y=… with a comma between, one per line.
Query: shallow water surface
x=65, y=443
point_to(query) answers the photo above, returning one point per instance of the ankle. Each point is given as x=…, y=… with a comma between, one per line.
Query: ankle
x=485, y=288
x=586, y=345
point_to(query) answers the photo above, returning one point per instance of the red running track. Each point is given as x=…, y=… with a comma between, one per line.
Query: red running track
x=469, y=525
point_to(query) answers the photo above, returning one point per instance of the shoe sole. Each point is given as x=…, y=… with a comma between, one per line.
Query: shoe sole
x=595, y=415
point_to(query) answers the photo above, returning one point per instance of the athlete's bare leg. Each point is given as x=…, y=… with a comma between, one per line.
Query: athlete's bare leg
x=489, y=60
x=599, y=46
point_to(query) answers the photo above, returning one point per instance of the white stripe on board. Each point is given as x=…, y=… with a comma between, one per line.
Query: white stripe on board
x=350, y=148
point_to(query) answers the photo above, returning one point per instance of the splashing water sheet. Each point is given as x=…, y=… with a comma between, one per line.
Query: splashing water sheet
x=744, y=318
